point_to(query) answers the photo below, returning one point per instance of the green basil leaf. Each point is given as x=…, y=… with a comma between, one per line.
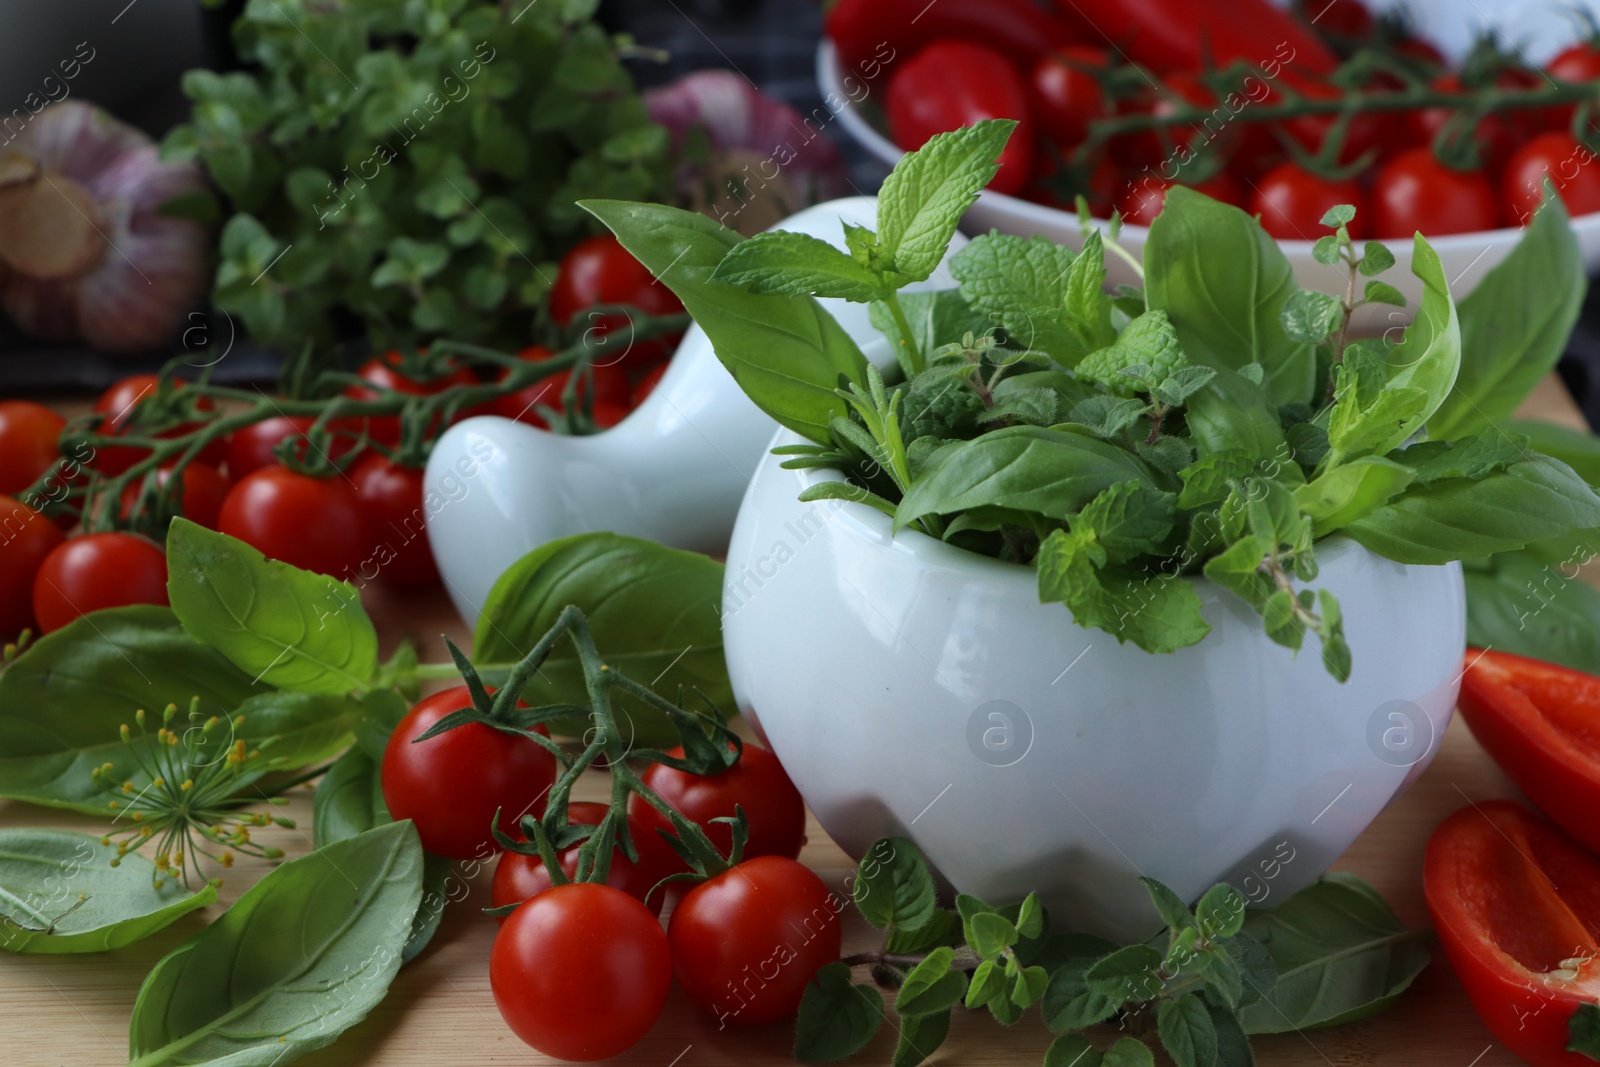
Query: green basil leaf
x=1224, y=283
x=1578, y=449
x=923, y=198
x=893, y=886
x=836, y=1018
x=1069, y=1003
x=1220, y=913
x=655, y=611
x=59, y=893
x=1231, y=414
x=1514, y=325
x=1128, y=1051
x=335, y=920
x=1583, y=1031
x=297, y=729
x=1072, y=1050
x=1521, y=604
x=786, y=352
x=1340, y=496
x=920, y=1038
x=1428, y=356
x=1341, y=955
x=1129, y=973
x=1530, y=501
x=785, y=263
x=1187, y=1032
x=63, y=704
x=284, y=626
x=932, y=986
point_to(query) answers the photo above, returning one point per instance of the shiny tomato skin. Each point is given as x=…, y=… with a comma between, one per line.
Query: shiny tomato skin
x=204, y=490
x=29, y=443
x=1415, y=193
x=26, y=539
x=951, y=84
x=610, y=384
x=95, y=571
x=451, y=785
x=254, y=446
x=381, y=372
x=1493, y=134
x=1064, y=96
x=518, y=877
x=316, y=524
x=392, y=497
x=117, y=404
x=1572, y=170
x=581, y=972
x=1291, y=202
x=770, y=918
x=600, y=271
x=1141, y=201
x=1577, y=63
x=772, y=806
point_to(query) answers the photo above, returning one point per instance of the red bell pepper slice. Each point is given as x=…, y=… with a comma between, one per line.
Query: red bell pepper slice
x=1516, y=905
x=1541, y=724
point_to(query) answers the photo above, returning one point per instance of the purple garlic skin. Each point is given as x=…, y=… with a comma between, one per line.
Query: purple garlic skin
x=101, y=182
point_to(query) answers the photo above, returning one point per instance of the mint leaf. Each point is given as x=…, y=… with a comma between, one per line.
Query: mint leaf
x=796, y=264
x=1472, y=457
x=1311, y=317
x=1047, y=298
x=1147, y=351
x=1208, y=480
x=1107, y=417
x=923, y=198
x=894, y=887
x=1130, y=520
x=1157, y=613
x=1186, y=1031
x=1182, y=385
x=1584, y=1031
x=1375, y=258
x=932, y=985
x=836, y=1018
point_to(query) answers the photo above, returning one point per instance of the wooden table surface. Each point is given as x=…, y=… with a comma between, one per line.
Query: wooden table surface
x=72, y=1011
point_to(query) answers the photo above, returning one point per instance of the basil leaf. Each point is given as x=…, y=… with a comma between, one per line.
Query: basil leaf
x=785, y=263
x=302, y=956
x=1428, y=356
x=1231, y=414
x=1463, y=519
x=1514, y=325
x=894, y=887
x=655, y=611
x=60, y=894
x=1583, y=1031
x=786, y=352
x=287, y=627
x=63, y=704
x=296, y=729
x=1578, y=449
x=1341, y=955
x=932, y=986
x=923, y=198
x=1224, y=283
x=1338, y=497
x=1519, y=603
x=836, y=1018
x=1187, y=1032
x=920, y=1038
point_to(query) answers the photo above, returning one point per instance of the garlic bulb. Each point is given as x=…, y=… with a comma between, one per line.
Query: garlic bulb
x=84, y=250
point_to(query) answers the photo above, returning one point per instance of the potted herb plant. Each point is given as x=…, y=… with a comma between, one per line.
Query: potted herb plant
x=1034, y=600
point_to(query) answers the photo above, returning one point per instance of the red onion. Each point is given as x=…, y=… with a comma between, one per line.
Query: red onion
x=84, y=250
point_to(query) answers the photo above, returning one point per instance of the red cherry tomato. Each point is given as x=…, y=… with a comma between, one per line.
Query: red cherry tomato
x=1291, y=202
x=26, y=538
x=1572, y=170
x=1168, y=35
x=647, y=384
x=95, y=571
x=381, y=372
x=581, y=972
x=518, y=877
x=951, y=84
x=452, y=785
x=600, y=271
x=1377, y=132
x=1414, y=193
x=607, y=414
x=1147, y=149
x=253, y=447
x=1143, y=200
x=29, y=443
x=1577, y=63
x=1065, y=97
x=610, y=387
x=1348, y=19
x=392, y=496
x=316, y=524
x=770, y=917
x=1492, y=135
x=118, y=403
x=757, y=783
x=204, y=490
x=873, y=34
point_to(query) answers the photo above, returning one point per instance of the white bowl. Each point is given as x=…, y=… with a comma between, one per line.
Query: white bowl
x=1466, y=257
x=912, y=688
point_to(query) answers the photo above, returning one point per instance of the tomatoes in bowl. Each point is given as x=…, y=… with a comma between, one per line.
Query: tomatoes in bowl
x=1415, y=193
x=1291, y=201
x=1570, y=166
x=951, y=84
x=600, y=271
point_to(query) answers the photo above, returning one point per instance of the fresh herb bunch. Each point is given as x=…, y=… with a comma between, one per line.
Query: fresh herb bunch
x=1218, y=421
x=412, y=164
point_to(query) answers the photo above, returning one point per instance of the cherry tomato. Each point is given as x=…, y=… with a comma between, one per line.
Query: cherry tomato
x=872, y=34
x=1291, y=202
x=647, y=384
x=253, y=447
x=769, y=917
x=1348, y=19
x=316, y=524
x=118, y=403
x=29, y=436
x=1421, y=50
x=581, y=972
x=951, y=84
x=1577, y=63
x=451, y=785
x=1414, y=192
x=380, y=371
x=1064, y=96
x=1143, y=200
x=392, y=497
x=1372, y=131
x=610, y=387
x=608, y=414
x=1147, y=149
x=1572, y=170
x=1492, y=135
x=204, y=490
x=757, y=783
x=600, y=271
x=95, y=571
x=518, y=877
x=26, y=538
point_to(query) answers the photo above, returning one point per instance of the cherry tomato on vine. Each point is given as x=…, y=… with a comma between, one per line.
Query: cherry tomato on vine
x=757, y=783
x=1378, y=132
x=1421, y=50
x=95, y=571
x=1291, y=202
x=451, y=785
x=1349, y=19
x=253, y=447
x=581, y=972
x=951, y=84
x=647, y=384
x=1414, y=193
x=769, y=916
x=1146, y=147
x=1064, y=94
x=1492, y=135
x=118, y=402
x=204, y=490
x=28, y=537
x=1576, y=63
x=1143, y=199
x=316, y=524
x=1572, y=169
x=600, y=271
x=381, y=372
x=518, y=877
x=610, y=383
x=29, y=443
x=392, y=497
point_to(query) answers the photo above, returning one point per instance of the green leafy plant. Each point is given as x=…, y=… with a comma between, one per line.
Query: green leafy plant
x=1217, y=422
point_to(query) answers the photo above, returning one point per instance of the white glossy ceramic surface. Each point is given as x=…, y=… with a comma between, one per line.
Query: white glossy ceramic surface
x=916, y=689
x=674, y=470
